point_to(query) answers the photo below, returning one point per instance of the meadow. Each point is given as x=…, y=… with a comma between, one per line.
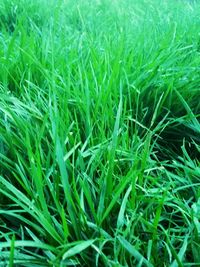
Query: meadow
x=99, y=133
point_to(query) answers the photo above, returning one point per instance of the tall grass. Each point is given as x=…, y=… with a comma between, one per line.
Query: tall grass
x=99, y=133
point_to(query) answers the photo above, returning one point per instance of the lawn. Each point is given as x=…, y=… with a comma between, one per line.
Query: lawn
x=99, y=133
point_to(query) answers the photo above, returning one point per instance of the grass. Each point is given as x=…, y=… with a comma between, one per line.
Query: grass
x=99, y=133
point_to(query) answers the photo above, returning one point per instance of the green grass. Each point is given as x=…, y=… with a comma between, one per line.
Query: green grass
x=99, y=133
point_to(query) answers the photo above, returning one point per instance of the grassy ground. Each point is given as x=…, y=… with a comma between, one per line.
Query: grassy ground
x=99, y=133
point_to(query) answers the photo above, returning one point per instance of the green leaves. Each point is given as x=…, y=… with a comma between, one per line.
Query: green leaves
x=26, y=243
x=12, y=251
x=77, y=249
x=66, y=185
x=196, y=215
x=181, y=254
x=134, y=252
x=109, y=176
x=99, y=133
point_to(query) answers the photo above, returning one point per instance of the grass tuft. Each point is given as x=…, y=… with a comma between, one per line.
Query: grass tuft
x=99, y=133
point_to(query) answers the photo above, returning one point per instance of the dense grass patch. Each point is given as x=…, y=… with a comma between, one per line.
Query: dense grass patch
x=99, y=133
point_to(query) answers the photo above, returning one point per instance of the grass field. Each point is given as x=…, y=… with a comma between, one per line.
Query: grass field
x=99, y=133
